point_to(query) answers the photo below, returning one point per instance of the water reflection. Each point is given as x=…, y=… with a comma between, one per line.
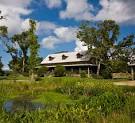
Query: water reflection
x=21, y=105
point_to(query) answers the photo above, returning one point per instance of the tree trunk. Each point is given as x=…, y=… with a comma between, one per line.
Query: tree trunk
x=98, y=68
x=23, y=67
x=32, y=76
x=24, y=61
x=132, y=73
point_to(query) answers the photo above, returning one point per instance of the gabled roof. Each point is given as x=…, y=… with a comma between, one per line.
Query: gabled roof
x=70, y=57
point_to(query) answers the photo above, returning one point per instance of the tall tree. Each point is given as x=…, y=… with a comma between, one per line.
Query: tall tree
x=7, y=43
x=34, y=46
x=23, y=42
x=103, y=44
x=100, y=39
x=10, y=47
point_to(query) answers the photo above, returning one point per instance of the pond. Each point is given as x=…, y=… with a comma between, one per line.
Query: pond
x=22, y=104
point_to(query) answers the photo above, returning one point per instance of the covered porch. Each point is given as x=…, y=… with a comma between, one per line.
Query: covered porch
x=77, y=68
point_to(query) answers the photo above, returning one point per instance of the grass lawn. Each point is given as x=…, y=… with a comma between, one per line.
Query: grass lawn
x=75, y=100
x=53, y=97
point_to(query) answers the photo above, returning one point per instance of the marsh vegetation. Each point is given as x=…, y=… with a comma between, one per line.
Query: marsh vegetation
x=68, y=99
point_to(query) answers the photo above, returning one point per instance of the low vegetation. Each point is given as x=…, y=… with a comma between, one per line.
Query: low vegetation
x=69, y=99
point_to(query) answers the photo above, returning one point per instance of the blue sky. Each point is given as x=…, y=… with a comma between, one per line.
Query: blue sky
x=58, y=20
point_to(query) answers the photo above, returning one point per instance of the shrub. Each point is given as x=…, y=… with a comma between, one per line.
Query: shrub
x=41, y=71
x=69, y=73
x=107, y=72
x=83, y=74
x=95, y=76
x=59, y=71
x=119, y=66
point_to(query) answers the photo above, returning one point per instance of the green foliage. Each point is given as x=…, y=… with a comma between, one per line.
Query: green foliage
x=83, y=74
x=59, y=71
x=71, y=89
x=95, y=76
x=34, y=46
x=27, y=41
x=107, y=102
x=117, y=66
x=3, y=31
x=42, y=71
x=106, y=72
x=69, y=99
x=104, y=38
x=23, y=42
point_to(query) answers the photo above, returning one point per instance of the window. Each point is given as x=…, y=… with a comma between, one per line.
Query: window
x=79, y=55
x=51, y=58
x=64, y=57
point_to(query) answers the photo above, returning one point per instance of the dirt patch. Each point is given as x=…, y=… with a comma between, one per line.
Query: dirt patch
x=128, y=83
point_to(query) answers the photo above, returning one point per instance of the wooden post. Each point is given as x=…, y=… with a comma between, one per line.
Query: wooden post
x=132, y=72
x=52, y=70
x=88, y=72
x=79, y=70
x=72, y=70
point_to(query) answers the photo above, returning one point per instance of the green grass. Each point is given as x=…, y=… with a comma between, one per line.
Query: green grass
x=53, y=98
x=75, y=100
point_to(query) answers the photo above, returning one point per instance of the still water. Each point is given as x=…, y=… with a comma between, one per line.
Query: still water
x=21, y=104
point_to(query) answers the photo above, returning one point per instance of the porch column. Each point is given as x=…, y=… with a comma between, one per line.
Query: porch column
x=132, y=72
x=52, y=70
x=79, y=70
x=72, y=70
x=88, y=72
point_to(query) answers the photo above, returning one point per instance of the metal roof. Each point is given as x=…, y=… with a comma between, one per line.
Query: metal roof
x=71, y=57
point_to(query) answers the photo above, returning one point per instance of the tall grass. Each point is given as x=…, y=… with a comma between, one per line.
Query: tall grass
x=70, y=100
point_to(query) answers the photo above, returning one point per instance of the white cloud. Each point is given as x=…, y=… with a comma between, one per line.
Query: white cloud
x=53, y=3
x=25, y=25
x=49, y=42
x=80, y=46
x=5, y=68
x=16, y=3
x=118, y=10
x=60, y=35
x=122, y=11
x=77, y=9
x=63, y=35
x=46, y=27
x=13, y=10
x=66, y=34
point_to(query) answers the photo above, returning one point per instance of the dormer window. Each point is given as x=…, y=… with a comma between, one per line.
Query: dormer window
x=79, y=55
x=64, y=57
x=51, y=58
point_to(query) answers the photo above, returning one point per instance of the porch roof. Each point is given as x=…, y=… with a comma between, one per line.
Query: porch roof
x=72, y=65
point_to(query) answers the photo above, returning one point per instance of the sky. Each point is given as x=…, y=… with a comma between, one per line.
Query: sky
x=58, y=20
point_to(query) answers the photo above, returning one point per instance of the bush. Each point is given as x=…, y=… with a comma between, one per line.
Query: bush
x=83, y=74
x=106, y=72
x=41, y=71
x=95, y=76
x=119, y=66
x=59, y=71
